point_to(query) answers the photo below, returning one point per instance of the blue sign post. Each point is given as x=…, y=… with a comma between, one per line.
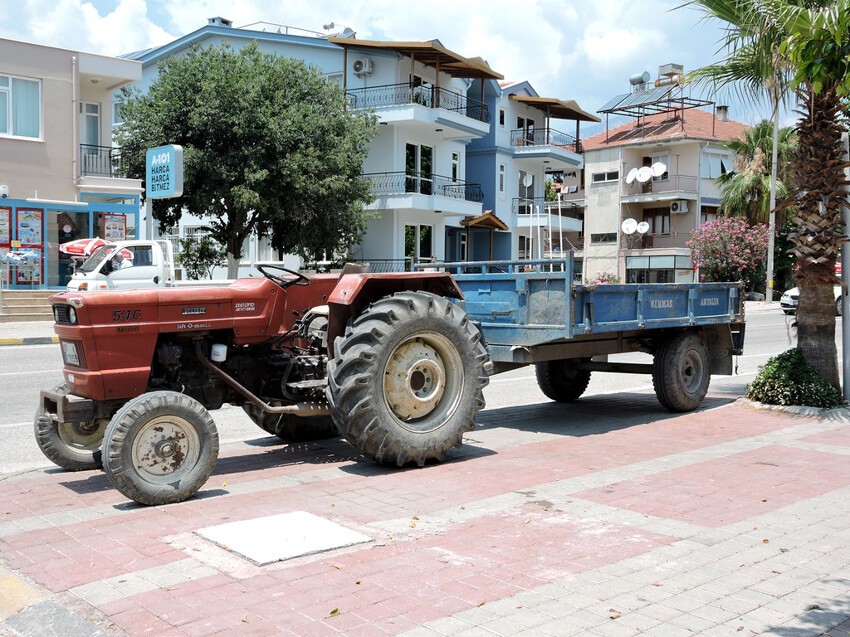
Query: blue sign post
x=164, y=172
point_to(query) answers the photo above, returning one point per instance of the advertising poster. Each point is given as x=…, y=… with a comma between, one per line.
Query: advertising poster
x=27, y=264
x=5, y=226
x=29, y=227
x=114, y=227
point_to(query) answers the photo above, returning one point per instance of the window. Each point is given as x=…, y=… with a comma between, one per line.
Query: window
x=117, y=117
x=417, y=243
x=716, y=164
x=20, y=107
x=661, y=158
x=501, y=181
x=604, y=237
x=455, y=166
x=611, y=175
x=418, y=168
x=707, y=214
x=501, y=118
x=658, y=220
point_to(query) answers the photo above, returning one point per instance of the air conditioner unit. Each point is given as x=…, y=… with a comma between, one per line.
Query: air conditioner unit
x=362, y=66
x=679, y=207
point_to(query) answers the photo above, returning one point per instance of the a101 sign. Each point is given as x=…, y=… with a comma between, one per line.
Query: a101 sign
x=164, y=171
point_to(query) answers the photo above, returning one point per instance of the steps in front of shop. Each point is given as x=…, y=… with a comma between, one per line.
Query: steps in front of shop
x=25, y=305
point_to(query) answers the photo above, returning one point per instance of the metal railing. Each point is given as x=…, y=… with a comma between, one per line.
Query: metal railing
x=672, y=183
x=539, y=205
x=544, y=137
x=101, y=161
x=429, y=96
x=636, y=241
x=397, y=183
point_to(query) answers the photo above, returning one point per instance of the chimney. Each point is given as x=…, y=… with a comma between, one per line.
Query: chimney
x=219, y=22
x=722, y=113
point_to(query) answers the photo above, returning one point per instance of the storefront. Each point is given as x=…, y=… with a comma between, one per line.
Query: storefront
x=31, y=231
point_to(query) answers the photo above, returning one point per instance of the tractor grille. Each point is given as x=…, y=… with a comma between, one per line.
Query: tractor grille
x=61, y=314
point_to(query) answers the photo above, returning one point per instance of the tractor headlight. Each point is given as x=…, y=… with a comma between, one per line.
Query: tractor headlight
x=72, y=316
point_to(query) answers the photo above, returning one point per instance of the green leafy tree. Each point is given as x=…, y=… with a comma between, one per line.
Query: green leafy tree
x=729, y=249
x=802, y=45
x=269, y=147
x=199, y=255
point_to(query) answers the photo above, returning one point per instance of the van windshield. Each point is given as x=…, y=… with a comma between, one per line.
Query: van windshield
x=97, y=257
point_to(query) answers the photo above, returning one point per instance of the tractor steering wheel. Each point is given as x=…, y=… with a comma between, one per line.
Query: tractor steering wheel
x=299, y=279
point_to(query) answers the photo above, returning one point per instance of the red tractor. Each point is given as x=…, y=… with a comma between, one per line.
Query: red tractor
x=388, y=361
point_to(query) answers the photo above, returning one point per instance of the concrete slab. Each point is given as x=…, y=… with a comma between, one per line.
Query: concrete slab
x=281, y=537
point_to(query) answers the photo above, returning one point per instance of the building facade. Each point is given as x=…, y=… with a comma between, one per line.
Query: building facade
x=60, y=177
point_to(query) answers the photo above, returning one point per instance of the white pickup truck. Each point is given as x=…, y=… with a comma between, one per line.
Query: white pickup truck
x=126, y=265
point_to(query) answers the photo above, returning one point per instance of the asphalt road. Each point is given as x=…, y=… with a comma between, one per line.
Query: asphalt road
x=28, y=369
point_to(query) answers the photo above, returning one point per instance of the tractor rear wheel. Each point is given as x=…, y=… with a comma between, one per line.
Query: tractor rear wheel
x=292, y=428
x=407, y=379
x=560, y=380
x=160, y=448
x=72, y=446
x=681, y=372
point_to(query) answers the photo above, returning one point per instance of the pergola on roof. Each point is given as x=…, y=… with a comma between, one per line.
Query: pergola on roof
x=430, y=53
x=559, y=109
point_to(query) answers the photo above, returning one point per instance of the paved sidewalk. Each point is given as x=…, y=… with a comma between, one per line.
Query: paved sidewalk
x=606, y=517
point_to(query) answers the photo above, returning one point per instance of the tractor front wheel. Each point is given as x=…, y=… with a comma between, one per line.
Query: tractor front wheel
x=74, y=446
x=160, y=448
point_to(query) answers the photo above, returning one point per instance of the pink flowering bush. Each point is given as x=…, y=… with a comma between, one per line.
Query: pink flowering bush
x=603, y=278
x=729, y=249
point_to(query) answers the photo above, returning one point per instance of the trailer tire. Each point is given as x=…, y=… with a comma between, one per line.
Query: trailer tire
x=71, y=446
x=681, y=372
x=561, y=382
x=407, y=379
x=160, y=448
x=292, y=428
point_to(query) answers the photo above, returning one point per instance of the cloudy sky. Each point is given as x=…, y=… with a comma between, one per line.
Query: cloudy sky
x=567, y=49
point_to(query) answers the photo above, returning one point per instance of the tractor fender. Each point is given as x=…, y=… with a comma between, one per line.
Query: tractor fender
x=354, y=292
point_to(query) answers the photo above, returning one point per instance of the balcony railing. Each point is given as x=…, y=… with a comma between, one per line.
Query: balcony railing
x=636, y=241
x=398, y=183
x=101, y=161
x=672, y=183
x=539, y=205
x=521, y=138
x=430, y=97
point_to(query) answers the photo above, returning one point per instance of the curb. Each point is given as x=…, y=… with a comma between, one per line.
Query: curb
x=30, y=340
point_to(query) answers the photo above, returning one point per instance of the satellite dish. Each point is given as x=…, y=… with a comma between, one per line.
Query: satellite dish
x=644, y=174
x=658, y=168
x=632, y=175
x=643, y=227
x=629, y=226
x=528, y=180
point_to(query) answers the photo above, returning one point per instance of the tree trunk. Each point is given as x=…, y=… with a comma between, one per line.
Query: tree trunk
x=232, y=266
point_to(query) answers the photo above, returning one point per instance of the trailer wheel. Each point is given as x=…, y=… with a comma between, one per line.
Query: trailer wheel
x=560, y=381
x=292, y=428
x=407, y=379
x=160, y=448
x=680, y=373
x=72, y=446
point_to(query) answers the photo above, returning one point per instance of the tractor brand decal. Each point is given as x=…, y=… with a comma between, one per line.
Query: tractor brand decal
x=194, y=310
x=661, y=304
x=704, y=302
x=130, y=328
x=244, y=307
x=192, y=326
x=126, y=315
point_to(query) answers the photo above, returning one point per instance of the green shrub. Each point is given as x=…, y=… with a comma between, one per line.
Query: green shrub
x=786, y=379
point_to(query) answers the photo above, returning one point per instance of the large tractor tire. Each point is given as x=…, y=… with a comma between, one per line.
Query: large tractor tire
x=160, y=448
x=292, y=428
x=407, y=379
x=681, y=372
x=560, y=381
x=72, y=446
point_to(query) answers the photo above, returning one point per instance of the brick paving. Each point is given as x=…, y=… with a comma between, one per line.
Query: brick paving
x=605, y=517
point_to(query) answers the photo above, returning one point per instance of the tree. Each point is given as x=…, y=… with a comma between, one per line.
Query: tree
x=199, y=255
x=268, y=145
x=729, y=249
x=802, y=45
x=746, y=191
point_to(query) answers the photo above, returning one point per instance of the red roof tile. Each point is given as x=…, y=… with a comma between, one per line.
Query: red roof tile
x=698, y=124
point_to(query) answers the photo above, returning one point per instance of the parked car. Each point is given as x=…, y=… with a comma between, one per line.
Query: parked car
x=791, y=297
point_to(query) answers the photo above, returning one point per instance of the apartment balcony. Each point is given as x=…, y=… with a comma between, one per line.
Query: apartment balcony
x=661, y=189
x=556, y=149
x=425, y=191
x=536, y=211
x=434, y=109
x=102, y=168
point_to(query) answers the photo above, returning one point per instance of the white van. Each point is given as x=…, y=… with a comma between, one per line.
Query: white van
x=126, y=265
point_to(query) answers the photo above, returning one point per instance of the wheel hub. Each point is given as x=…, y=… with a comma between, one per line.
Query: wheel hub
x=166, y=449
x=414, y=381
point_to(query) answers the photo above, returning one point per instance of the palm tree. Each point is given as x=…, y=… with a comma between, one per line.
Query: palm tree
x=774, y=46
x=746, y=191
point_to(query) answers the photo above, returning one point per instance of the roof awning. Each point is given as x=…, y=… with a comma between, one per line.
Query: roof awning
x=560, y=109
x=485, y=220
x=430, y=53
